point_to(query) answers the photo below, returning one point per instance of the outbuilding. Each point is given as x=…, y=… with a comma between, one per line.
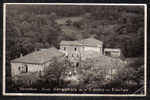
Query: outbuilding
x=114, y=52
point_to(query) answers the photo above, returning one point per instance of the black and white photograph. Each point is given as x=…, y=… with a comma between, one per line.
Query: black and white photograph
x=74, y=49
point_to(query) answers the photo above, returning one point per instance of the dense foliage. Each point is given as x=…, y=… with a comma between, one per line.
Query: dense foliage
x=90, y=74
x=32, y=27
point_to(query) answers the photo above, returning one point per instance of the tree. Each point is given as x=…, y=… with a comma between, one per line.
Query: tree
x=68, y=22
x=132, y=74
x=54, y=72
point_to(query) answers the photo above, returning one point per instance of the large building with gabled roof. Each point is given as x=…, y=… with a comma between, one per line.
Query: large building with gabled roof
x=35, y=62
x=82, y=49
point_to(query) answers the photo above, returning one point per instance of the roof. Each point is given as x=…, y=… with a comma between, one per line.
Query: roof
x=88, y=41
x=112, y=49
x=39, y=57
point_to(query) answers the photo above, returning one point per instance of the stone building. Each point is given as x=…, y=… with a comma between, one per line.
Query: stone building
x=35, y=62
x=82, y=49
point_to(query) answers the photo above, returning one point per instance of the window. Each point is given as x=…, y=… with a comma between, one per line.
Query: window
x=23, y=68
x=107, y=53
x=40, y=73
x=77, y=64
x=67, y=57
x=75, y=49
x=26, y=70
x=19, y=68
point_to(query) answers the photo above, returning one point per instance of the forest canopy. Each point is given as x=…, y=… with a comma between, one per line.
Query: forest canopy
x=31, y=27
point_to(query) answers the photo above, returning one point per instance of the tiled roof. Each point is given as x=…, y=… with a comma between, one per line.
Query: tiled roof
x=39, y=57
x=88, y=41
x=112, y=49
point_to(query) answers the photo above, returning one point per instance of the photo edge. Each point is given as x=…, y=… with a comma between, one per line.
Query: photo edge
x=30, y=94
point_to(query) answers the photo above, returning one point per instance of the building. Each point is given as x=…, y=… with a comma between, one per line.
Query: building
x=82, y=49
x=35, y=62
x=114, y=52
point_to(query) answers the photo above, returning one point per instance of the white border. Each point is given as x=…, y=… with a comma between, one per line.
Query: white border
x=46, y=94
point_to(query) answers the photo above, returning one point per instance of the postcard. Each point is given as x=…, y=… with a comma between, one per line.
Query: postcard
x=74, y=49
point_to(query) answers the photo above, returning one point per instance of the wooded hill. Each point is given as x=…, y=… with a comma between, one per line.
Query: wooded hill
x=29, y=28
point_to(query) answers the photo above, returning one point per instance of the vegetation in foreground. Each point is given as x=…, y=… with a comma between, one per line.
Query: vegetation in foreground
x=89, y=75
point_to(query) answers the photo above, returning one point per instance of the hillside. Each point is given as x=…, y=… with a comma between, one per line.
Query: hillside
x=33, y=27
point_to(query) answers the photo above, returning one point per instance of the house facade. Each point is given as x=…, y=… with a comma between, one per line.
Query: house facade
x=35, y=62
x=82, y=49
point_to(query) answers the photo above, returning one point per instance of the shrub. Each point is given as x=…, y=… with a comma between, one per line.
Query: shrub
x=132, y=75
x=54, y=73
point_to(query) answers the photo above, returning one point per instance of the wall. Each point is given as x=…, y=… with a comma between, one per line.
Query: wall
x=113, y=53
x=81, y=51
x=35, y=67
x=31, y=68
x=94, y=49
x=72, y=51
x=15, y=68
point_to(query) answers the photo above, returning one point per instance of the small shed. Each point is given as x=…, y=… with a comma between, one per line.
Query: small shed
x=114, y=52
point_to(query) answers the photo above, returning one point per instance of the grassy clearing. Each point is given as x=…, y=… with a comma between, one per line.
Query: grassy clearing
x=64, y=19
